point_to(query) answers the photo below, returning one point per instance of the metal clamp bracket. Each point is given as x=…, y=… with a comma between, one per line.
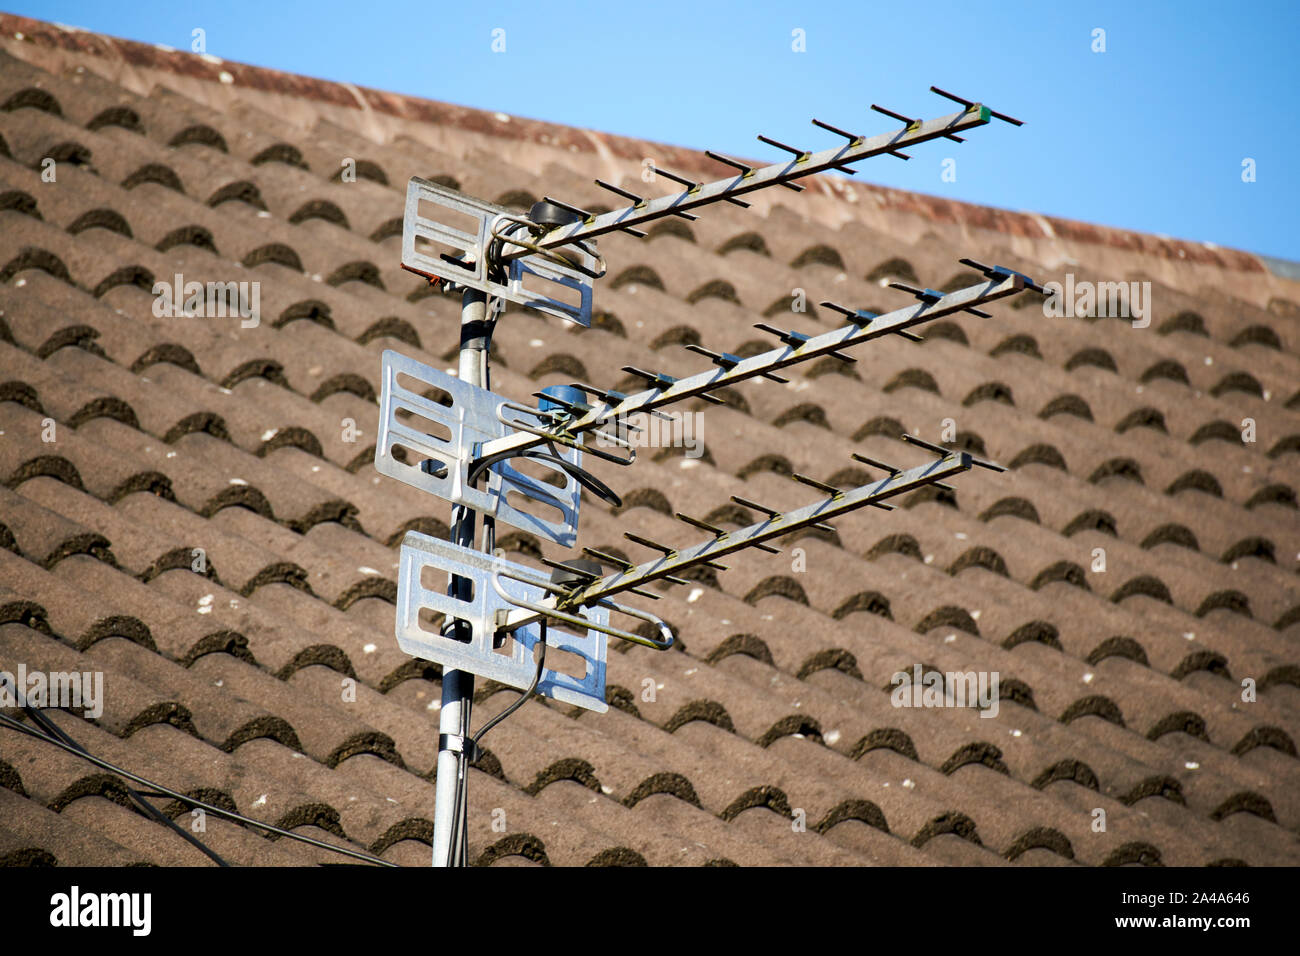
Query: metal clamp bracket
x=459, y=744
x=559, y=437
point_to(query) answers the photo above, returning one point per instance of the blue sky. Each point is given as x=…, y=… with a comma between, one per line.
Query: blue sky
x=1150, y=134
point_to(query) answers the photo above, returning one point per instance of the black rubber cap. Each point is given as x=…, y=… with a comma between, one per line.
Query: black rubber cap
x=550, y=215
x=569, y=579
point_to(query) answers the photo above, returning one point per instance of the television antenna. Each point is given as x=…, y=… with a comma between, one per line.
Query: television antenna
x=453, y=437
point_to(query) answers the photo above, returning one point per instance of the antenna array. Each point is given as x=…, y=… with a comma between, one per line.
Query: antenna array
x=475, y=613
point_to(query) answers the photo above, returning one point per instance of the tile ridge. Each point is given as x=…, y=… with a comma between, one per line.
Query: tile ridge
x=601, y=145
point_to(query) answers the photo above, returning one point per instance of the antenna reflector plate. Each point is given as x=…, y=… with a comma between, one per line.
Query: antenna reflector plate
x=431, y=427
x=426, y=566
x=448, y=235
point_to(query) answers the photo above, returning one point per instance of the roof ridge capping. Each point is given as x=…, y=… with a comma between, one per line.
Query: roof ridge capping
x=1035, y=226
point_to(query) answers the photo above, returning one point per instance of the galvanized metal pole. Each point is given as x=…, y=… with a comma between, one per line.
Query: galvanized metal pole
x=458, y=686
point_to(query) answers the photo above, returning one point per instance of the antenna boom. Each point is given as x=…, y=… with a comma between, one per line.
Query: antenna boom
x=775, y=526
x=807, y=164
x=772, y=360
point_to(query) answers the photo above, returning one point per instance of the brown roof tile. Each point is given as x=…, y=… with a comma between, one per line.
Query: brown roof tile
x=262, y=672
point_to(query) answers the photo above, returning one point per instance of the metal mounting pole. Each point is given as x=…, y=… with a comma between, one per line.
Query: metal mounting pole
x=458, y=686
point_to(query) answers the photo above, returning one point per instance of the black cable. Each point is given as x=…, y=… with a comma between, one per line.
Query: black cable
x=491, y=323
x=136, y=797
x=11, y=723
x=458, y=845
x=460, y=822
x=537, y=676
x=458, y=849
x=581, y=475
x=453, y=627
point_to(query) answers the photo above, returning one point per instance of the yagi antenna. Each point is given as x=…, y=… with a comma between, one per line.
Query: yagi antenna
x=750, y=179
x=461, y=604
x=666, y=389
x=774, y=525
x=547, y=260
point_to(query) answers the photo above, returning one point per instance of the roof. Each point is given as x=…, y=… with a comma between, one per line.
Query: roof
x=1130, y=572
